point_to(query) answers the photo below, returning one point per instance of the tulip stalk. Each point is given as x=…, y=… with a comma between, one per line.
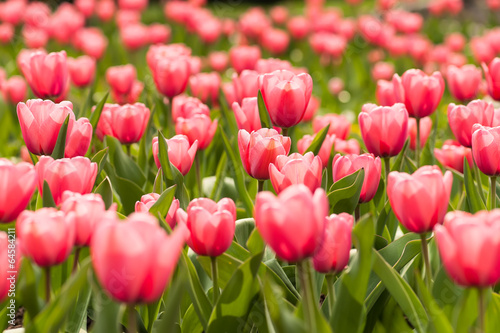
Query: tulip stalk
x=261, y=186
x=47, y=284
x=307, y=294
x=129, y=152
x=417, y=147
x=330, y=279
x=493, y=195
x=387, y=167
x=215, y=278
x=132, y=320
x=482, y=307
x=75, y=262
x=198, y=174
x=425, y=255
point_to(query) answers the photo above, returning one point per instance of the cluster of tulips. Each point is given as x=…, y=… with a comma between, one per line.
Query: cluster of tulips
x=224, y=190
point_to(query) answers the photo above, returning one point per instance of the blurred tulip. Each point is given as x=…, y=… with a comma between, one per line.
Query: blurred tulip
x=264, y=66
x=12, y=11
x=41, y=122
x=343, y=166
x=86, y=7
x=79, y=138
x=385, y=93
x=34, y=37
x=186, y=107
x=382, y=71
x=82, y=70
x=205, y=86
x=333, y=254
x=171, y=75
x=126, y=122
x=254, y=22
x=47, y=236
x=148, y=200
x=486, y=149
x=425, y=131
x=37, y=15
x=91, y=41
x=324, y=152
x=452, y=156
x=105, y=9
x=275, y=41
x=159, y=33
x=304, y=169
x=134, y=36
x=199, y=128
x=339, y=125
x=463, y=82
x=65, y=22
x=292, y=224
x=482, y=50
x=212, y=225
x=180, y=153
x=141, y=253
x=75, y=174
x=14, y=89
x=350, y=146
x=121, y=78
x=259, y=149
x=244, y=57
x=229, y=92
x=298, y=27
x=420, y=200
x=467, y=245
x=279, y=14
x=335, y=85
x=6, y=33
x=455, y=41
x=18, y=185
x=312, y=108
x=247, y=115
x=246, y=84
x=218, y=60
x=492, y=74
x=384, y=129
x=130, y=98
x=137, y=5
x=461, y=118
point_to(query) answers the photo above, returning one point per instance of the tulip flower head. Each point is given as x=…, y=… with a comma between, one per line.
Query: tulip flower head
x=462, y=118
x=148, y=200
x=296, y=169
x=180, y=153
x=486, y=149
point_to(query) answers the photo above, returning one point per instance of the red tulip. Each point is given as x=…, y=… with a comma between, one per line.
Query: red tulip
x=244, y=57
x=333, y=254
x=82, y=70
x=205, y=86
x=293, y=223
x=186, y=107
x=384, y=129
x=468, y=245
x=420, y=200
x=296, y=169
x=464, y=81
x=486, y=149
x=211, y=224
x=247, y=115
x=47, y=236
x=492, y=74
x=343, y=166
x=148, y=200
x=126, y=122
x=18, y=185
x=47, y=74
x=339, y=125
x=171, y=75
x=419, y=92
x=246, y=84
x=260, y=148
x=425, y=131
x=324, y=152
x=75, y=174
x=180, y=153
x=88, y=211
x=199, y=128
x=79, y=139
x=135, y=260
x=452, y=156
x=40, y=123
x=121, y=78
x=461, y=118
x=14, y=89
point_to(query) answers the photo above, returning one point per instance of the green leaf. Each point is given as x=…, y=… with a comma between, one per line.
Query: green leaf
x=316, y=144
x=172, y=299
x=398, y=164
x=124, y=165
x=100, y=158
x=344, y=193
x=402, y=292
x=107, y=312
x=48, y=199
x=244, y=228
x=94, y=117
x=492, y=319
x=58, y=151
x=190, y=321
x=106, y=192
x=128, y=191
x=27, y=286
x=265, y=119
x=220, y=176
x=473, y=198
x=227, y=115
x=162, y=205
x=255, y=243
x=78, y=319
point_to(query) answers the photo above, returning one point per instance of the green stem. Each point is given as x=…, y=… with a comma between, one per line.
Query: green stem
x=128, y=151
x=479, y=183
x=330, y=279
x=132, y=320
x=307, y=295
x=357, y=213
x=493, y=192
x=198, y=175
x=284, y=131
x=417, y=147
x=261, y=186
x=215, y=279
x=482, y=307
x=75, y=263
x=425, y=254
x=47, y=284
x=387, y=167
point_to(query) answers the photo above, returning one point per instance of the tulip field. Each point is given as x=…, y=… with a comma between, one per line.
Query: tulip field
x=230, y=166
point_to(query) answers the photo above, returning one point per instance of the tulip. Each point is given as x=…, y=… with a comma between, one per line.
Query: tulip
x=254, y=23
x=41, y=122
x=343, y=166
x=324, y=152
x=247, y=115
x=269, y=65
x=47, y=236
x=382, y=71
x=186, y=107
x=18, y=184
x=276, y=41
x=468, y=245
x=259, y=149
x=279, y=14
x=212, y=225
x=419, y=92
x=105, y=9
x=244, y=57
x=12, y=11
x=86, y=7
x=304, y=169
x=132, y=97
x=218, y=60
x=6, y=33
x=171, y=75
x=492, y=75
x=350, y=146
x=333, y=254
x=79, y=139
x=292, y=223
x=14, y=89
x=180, y=152
x=47, y=74
x=159, y=33
x=134, y=36
x=136, y=5
x=82, y=70
x=286, y=96
x=91, y=41
x=339, y=125
x=246, y=84
x=37, y=14
x=65, y=22
x=121, y=78
x=148, y=200
x=486, y=148
x=452, y=156
x=335, y=86
x=298, y=27
x=75, y=174
x=464, y=81
x=461, y=119
x=199, y=128
x=229, y=92
x=205, y=86
x=385, y=93
x=384, y=129
x=425, y=131
x=312, y=108
x=127, y=123
x=135, y=260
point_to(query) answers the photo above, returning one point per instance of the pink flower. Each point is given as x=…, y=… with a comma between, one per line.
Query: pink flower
x=180, y=153
x=82, y=70
x=339, y=125
x=425, y=131
x=247, y=115
x=296, y=169
x=462, y=118
x=148, y=200
x=199, y=128
x=463, y=82
x=126, y=122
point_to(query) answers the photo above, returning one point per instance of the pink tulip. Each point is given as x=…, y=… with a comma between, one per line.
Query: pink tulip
x=199, y=128
x=212, y=225
x=247, y=115
x=246, y=84
x=12, y=11
x=37, y=14
x=171, y=75
x=382, y=71
x=65, y=22
x=492, y=74
x=464, y=81
x=259, y=149
x=132, y=97
x=79, y=139
x=9, y=252
x=159, y=33
x=185, y=107
x=296, y=169
x=385, y=93
x=105, y=9
x=135, y=260
x=180, y=153
x=47, y=236
x=312, y=108
x=276, y=41
x=420, y=200
x=298, y=27
x=279, y=14
x=218, y=60
x=91, y=41
x=384, y=129
x=324, y=152
x=269, y=65
x=455, y=41
x=452, y=156
x=229, y=92
x=148, y=200
x=18, y=185
x=425, y=131
x=137, y=5
x=486, y=149
x=286, y=96
x=88, y=211
x=75, y=174
x=205, y=86
x=468, y=245
x=86, y=7
x=335, y=85
x=126, y=122
x=339, y=125
x=333, y=254
x=6, y=33
x=47, y=74
x=461, y=118
x=293, y=223
x=244, y=57
x=41, y=122
x=14, y=89
x=121, y=78
x=343, y=166
x=134, y=36
x=350, y=146
x=82, y=70
x=254, y=22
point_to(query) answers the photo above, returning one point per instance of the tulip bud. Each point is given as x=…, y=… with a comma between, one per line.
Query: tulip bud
x=461, y=119
x=127, y=122
x=82, y=70
x=463, y=82
x=324, y=152
x=246, y=84
x=452, y=155
x=14, y=89
x=385, y=93
x=486, y=149
x=180, y=153
x=79, y=139
x=492, y=75
x=425, y=131
x=205, y=86
x=186, y=107
x=296, y=169
x=121, y=78
x=171, y=75
x=339, y=125
x=197, y=128
x=244, y=57
x=148, y=200
x=247, y=115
